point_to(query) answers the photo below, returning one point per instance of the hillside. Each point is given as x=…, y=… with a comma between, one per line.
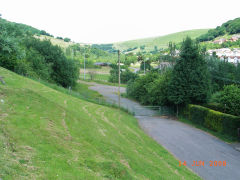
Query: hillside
x=160, y=42
x=45, y=134
x=229, y=27
x=55, y=41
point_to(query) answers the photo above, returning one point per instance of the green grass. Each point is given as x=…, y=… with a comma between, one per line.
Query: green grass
x=104, y=82
x=161, y=41
x=226, y=138
x=97, y=77
x=101, y=74
x=55, y=41
x=48, y=134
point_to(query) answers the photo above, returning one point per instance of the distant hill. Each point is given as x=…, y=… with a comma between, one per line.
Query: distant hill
x=161, y=41
x=229, y=27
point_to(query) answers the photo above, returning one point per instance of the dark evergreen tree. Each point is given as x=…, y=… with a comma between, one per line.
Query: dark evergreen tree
x=190, y=79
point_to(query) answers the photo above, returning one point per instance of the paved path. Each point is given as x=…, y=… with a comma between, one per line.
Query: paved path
x=186, y=143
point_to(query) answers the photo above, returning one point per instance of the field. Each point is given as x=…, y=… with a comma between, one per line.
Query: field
x=160, y=42
x=102, y=74
x=47, y=134
x=55, y=41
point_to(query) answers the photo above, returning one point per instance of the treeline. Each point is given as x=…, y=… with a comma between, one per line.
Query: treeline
x=105, y=47
x=196, y=78
x=230, y=27
x=22, y=53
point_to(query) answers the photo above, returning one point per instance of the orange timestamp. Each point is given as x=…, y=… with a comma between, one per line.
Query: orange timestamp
x=202, y=163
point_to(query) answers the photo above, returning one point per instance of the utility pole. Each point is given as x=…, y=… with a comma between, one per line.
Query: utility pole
x=119, y=80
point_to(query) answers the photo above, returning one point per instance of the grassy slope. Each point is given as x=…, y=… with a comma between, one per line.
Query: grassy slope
x=46, y=134
x=161, y=41
x=55, y=41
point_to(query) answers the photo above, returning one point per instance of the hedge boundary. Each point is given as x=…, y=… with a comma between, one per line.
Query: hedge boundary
x=214, y=120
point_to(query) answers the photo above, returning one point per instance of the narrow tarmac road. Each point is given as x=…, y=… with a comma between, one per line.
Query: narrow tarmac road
x=186, y=143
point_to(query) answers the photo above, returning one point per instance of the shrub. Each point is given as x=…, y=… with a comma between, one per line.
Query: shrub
x=67, y=39
x=197, y=114
x=158, y=89
x=230, y=99
x=215, y=106
x=214, y=120
x=124, y=75
x=139, y=88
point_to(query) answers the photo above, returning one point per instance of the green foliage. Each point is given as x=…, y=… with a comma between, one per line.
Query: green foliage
x=139, y=88
x=231, y=27
x=59, y=38
x=22, y=53
x=190, y=80
x=229, y=99
x=214, y=120
x=63, y=71
x=42, y=32
x=105, y=47
x=158, y=89
x=130, y=58
x=9, y=51
x=146, y=64
x=222, y=73
x=67, y=39
x=125, y=74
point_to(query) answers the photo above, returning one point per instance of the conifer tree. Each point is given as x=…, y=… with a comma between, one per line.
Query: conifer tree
x=190, y=79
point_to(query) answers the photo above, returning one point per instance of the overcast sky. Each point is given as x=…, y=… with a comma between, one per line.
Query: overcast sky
x=106, y=21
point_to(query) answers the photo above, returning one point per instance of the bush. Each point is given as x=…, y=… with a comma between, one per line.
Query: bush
x=230, y=99
x=197, y=114
x=215, y=106
x=67, y=39
x=214, y=120
x=124, y=75
x=49, y=62
x=158, y=89
x=139, y=88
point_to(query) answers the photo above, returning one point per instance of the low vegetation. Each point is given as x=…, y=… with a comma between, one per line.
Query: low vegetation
x=125, y=74
x=47, y=134
x=219, y=122
x=22, y=53
x=227, y=100
x=230, y=27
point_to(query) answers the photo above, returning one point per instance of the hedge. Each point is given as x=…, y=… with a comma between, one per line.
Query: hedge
x=214, y=120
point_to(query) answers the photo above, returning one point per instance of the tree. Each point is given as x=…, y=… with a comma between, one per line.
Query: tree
x=190, y=80
x=67, y=39
x=229, y=99
x=142, y=47
x=172, y=52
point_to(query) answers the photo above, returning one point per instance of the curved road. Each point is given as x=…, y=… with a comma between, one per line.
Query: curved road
x=186, y=143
